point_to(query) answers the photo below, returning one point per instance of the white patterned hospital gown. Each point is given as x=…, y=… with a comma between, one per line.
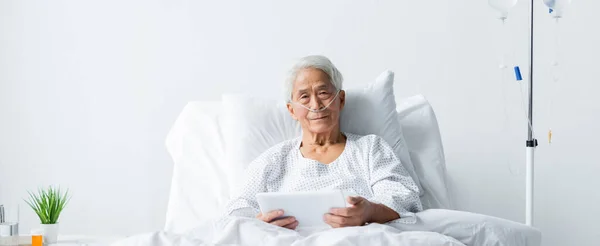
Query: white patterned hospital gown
x=367, y=167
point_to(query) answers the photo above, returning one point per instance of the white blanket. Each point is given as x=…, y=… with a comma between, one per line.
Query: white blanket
x=434, y=227
x=245, y=231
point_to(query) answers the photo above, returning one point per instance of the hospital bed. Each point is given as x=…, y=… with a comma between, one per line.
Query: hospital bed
x=200, y=190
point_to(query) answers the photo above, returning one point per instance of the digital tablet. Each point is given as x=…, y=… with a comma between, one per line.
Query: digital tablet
x=308, y=207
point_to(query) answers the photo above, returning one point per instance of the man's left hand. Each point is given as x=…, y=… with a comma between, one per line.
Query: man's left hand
x=357, y=214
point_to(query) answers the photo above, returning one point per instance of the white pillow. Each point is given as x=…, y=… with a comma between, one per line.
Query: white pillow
x=253, y=124
x=199, y=188
x=424, y=143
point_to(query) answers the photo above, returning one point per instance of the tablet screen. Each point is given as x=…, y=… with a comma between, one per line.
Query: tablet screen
x=308, y=207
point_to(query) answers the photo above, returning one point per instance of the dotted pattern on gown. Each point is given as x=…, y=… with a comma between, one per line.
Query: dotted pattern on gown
x=366, y=167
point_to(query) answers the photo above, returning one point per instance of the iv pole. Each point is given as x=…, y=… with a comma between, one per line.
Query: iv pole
x=531, y=142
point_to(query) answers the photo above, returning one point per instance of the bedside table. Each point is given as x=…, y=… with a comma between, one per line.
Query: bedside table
x=75, y=240
x=81, y=240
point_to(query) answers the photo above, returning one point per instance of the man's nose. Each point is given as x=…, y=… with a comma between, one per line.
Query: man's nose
x=315, y=103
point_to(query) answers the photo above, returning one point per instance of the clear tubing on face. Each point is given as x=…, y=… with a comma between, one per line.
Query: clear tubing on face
x=321, y=109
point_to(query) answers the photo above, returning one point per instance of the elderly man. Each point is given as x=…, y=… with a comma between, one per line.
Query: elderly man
x=326, y=158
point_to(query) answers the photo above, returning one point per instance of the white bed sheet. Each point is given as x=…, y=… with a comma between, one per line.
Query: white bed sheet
x=245, y=231
x=433, y=227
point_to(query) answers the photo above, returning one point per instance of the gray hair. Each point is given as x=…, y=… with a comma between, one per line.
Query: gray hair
x=318, y=62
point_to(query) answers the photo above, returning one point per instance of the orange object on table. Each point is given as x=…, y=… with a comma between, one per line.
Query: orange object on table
x=36, y=238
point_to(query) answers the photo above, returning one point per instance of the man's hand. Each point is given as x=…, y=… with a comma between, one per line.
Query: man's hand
x=270, y=217
x=358, y=214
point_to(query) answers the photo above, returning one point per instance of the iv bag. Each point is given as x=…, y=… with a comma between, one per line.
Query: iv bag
x=558, y=6
x=503, y=6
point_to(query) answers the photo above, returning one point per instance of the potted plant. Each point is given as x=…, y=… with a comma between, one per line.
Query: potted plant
x=48, y=204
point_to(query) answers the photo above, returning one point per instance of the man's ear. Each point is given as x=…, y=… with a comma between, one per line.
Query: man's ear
x=342, y=99
x=291, y=110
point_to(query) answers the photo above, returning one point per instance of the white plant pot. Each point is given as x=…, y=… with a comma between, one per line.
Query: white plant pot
x=50, y=232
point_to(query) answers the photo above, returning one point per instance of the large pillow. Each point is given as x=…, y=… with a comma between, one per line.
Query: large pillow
x=424, y=143
x=254, y=124
x=199, y=189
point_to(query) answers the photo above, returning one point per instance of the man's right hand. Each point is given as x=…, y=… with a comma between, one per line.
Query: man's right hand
x=287, y=222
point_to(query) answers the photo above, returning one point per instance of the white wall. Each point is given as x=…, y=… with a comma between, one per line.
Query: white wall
x=88, y=91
